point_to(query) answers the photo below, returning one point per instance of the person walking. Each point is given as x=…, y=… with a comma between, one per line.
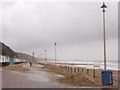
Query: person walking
x=30, y=64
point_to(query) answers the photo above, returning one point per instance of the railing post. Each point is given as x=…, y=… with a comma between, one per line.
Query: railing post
x=93, y=73
x=88, y=71
x=82, y=69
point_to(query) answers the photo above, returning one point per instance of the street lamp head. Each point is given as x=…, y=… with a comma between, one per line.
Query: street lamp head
x=33, y=53
x=103, y=6
x=55, y=44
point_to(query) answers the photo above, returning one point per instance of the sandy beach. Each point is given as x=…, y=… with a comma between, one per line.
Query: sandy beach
x=73, y=76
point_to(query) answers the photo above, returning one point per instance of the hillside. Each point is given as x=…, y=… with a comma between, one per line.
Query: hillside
x=26, y=56
x=7, y=51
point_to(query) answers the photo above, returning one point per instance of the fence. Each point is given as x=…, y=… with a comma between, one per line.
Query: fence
x=93, y=73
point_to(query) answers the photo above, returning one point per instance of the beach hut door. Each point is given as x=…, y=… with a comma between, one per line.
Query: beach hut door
x=11, y=61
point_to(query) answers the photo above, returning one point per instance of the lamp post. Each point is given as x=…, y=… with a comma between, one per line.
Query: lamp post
x=104, y=7
x=33, y=56
x=41, y=55
x=55, y=52
x=45, y=55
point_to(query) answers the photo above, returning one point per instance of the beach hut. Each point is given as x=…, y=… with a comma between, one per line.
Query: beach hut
x=11, y=61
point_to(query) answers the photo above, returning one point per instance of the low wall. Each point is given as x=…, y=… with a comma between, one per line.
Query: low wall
x=7, y=63
x=4, y=64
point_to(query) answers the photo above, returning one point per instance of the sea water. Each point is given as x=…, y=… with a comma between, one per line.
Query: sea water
x=111, y=65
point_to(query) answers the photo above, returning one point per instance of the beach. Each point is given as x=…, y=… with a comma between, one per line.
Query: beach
x=93, y=74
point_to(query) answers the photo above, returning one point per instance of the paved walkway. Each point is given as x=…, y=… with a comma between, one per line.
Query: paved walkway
x=0, y=78
x=35, y=78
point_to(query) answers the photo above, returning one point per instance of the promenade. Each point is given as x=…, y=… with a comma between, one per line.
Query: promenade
x=33, y=78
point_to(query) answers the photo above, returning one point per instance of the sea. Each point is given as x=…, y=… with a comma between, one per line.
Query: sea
x=110, y=65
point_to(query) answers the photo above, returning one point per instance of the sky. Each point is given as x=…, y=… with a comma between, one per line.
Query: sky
x=76, y=26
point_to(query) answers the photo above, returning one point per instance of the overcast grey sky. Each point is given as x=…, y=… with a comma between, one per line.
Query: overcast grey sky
x=75, y=26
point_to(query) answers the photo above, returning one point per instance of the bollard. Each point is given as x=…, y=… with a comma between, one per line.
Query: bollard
x=68, y=68
x=78, y=69
x=74, y=69
x=71, y=70
x=82, y=69
x=65, y=67
x=94, y=73
x=88, y=71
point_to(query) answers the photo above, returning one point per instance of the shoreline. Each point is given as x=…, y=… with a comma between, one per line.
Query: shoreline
x=110, y=65
x=76, y=65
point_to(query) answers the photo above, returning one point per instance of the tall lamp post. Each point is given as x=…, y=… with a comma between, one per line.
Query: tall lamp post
x=41, y=55
x=33, y=56
x=45, y=55
x=104, y=7
x=55, y=52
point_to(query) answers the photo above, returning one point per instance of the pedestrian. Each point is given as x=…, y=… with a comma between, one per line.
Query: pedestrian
x=30, y=64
